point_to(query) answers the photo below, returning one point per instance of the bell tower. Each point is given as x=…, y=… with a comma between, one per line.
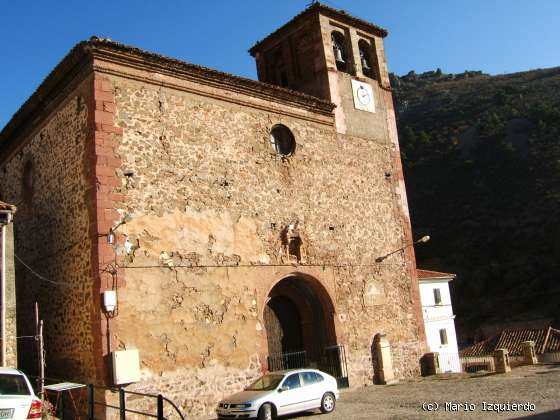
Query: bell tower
x=329, y=54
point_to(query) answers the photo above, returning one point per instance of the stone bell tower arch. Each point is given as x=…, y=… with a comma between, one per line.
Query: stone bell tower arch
x=331, y=55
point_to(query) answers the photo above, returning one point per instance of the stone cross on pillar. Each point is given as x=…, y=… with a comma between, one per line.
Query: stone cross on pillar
x=529, y=354
x=501, y=361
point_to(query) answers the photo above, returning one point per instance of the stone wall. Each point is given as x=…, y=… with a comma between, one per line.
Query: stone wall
x=208, y=199
x=47, y=178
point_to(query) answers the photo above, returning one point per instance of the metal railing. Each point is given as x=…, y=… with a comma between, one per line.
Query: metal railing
x=334, y=363
x=80, y=403
x=281, y=361
x=124, y=409
x=477, y=364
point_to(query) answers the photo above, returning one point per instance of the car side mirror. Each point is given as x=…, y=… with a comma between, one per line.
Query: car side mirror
x=283, y=388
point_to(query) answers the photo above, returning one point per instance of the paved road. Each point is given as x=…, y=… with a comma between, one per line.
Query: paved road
x=536, y=385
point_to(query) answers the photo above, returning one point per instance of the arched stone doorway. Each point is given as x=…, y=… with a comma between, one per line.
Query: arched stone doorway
x=299, y=322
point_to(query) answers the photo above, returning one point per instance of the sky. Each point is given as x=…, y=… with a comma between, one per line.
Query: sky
x=495, y=36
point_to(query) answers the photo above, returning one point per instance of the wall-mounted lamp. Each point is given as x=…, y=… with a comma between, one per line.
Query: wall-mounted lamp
x=423, y=239
x=111, y=234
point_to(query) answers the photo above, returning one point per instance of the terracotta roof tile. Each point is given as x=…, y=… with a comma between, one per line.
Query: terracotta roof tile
x=6, y=206
x=132, y=56
x=553, y=341
x=546, y=340
x=428, y=274
x=329, y=11
x=512, y=339
x=482, y=348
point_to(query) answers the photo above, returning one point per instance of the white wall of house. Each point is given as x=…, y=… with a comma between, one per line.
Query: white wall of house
x=439, y=321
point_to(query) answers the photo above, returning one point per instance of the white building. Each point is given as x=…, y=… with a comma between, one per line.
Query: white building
x=439, y=318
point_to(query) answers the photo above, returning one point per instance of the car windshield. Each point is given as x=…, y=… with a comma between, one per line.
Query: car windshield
x=13, y=385
x=265, y=383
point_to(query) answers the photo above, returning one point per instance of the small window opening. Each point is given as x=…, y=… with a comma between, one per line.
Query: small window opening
x=282, y=140
x=437, y=296
x=443, y=336
x=366, y=59
x=339, y=50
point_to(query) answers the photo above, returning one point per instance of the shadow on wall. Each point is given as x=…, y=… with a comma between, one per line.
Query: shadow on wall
x=375, y=361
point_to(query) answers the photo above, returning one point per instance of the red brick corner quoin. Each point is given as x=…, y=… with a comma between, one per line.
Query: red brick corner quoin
x=106, y=138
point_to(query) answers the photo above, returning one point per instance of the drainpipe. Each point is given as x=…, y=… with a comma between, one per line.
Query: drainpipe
x=4, y=221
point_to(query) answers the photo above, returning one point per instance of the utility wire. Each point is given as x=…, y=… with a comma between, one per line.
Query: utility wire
x=59, y=283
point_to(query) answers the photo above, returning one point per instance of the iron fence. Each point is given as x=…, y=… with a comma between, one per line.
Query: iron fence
x=160, y=411
x=80, y=402
x=334, y=363
x=477, y=364
x=282, y=361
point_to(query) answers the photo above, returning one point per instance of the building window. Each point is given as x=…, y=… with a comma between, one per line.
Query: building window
x=339, y=50
x=282, y=140
x=367, y=58
x=443, y=337
x=437, y=296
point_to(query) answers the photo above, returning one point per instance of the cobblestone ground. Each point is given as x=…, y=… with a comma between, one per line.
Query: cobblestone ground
x=536, y=385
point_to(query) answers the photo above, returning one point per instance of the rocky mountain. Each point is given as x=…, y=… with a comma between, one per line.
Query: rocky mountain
x=482, y=163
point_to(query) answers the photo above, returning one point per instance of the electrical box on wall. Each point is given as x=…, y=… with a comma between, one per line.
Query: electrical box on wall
x=126, y=367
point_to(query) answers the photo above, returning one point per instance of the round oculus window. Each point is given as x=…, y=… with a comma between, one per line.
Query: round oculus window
x=282, y=140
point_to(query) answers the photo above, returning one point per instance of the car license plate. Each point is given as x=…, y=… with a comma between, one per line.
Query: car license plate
x=6, y=413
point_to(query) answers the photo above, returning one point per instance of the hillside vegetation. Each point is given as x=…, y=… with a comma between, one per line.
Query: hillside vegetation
x=482, y=164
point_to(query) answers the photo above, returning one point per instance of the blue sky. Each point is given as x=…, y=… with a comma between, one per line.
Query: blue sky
x=495, y=36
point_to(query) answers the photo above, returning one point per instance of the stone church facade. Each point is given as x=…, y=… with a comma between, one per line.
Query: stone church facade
x=247, y=216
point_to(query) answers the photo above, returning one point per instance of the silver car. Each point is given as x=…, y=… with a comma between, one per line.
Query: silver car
x=280, y=393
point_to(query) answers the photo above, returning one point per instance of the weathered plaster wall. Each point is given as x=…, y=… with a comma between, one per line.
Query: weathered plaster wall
x=205, y=189
x=52, y=235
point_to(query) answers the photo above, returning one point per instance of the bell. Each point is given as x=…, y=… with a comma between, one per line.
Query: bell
x=338, y=55
x=364, y=60
x=365, y=64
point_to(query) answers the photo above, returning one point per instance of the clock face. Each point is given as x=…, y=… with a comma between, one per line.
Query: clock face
x=363, y=95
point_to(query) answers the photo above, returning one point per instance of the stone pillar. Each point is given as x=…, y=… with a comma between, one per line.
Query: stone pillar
x=529, y=354
x=501, y=361
x=10, y=298
x=430, y=364
x=385, y=373
x=11, y=344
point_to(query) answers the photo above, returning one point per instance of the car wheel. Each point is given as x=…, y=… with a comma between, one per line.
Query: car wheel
x=328, y=402
x=266, y=412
